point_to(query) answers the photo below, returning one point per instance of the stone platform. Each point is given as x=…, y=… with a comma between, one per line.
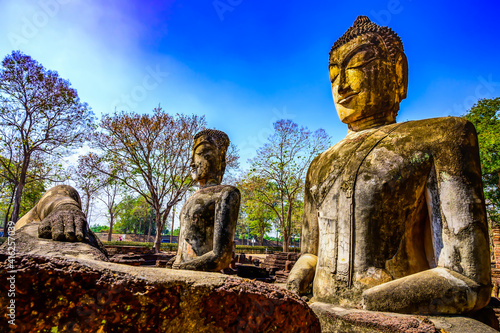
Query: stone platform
x=335, y=319
x=80, y=295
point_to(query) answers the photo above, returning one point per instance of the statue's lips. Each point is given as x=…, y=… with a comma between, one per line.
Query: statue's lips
x=348, y=98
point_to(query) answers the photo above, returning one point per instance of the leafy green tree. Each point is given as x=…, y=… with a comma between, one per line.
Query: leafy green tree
x=132, y=216
x=31, y=195
x=100, y=228
x=33, y=191
x=485, y=115
x=42, y=171
x=255, y=216
x=39, y=114
x=281, y=165
x=176, y=231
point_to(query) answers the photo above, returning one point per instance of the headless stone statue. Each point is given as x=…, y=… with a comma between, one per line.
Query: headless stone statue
x=208, y=219
x=394, y=215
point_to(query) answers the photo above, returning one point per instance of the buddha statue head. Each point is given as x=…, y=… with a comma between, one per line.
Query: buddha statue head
x=208, y=159
x=369, y=75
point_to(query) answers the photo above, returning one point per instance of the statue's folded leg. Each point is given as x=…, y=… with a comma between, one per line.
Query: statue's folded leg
x=434, y=291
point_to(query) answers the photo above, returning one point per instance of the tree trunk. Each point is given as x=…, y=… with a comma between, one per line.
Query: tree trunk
x=140, y=227
x=172, y=229
x=149, y=230
x=19, y=190
x=285, y=241
x=288, y=226
x=87, y=205
x=111, y=221
x=8, y=212
x=160, y=223
x=159, y=228
x=17, y=201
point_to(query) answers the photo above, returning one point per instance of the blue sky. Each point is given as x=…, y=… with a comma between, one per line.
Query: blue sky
x=245, y=64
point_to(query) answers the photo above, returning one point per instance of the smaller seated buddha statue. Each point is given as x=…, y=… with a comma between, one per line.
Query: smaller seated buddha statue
x=208, y=219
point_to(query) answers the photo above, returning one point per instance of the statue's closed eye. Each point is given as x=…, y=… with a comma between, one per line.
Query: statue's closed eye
x=361, y=59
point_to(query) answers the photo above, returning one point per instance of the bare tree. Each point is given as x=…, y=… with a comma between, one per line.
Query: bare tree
x=111, y=198
x=88, y=180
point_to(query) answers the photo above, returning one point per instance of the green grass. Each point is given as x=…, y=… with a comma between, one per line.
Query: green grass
x=163, y=246
x=173, y=247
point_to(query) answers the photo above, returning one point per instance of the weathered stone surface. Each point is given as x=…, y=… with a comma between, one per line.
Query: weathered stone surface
x=251, y=271
x=90, y=296
x=56, y=227
x=336, y=319
x=135, y=259
x=437, y=290
x=27, y=242
x=208, y=223
x=119, y=249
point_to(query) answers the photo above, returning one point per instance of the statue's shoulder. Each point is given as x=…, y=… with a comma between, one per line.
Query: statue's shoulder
x=322, y=166
x=443, y=129
x=231, y=193
x=219, y=189
x=334, y=158
x=231, y=189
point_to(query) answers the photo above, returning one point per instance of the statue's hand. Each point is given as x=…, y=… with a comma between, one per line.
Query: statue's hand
x=206, y=263
x=187, y=266
x=434, y=291
x=66, y=223
x=302, y=274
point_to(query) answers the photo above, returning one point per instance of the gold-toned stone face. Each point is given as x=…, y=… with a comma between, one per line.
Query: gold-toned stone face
x=205, y=162
x=363, y=78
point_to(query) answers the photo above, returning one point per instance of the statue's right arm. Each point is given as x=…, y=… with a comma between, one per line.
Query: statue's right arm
x=302, y=273
x=60, y=215
x=461, y=282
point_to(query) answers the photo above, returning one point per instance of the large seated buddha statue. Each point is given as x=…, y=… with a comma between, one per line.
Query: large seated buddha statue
x=394, y=215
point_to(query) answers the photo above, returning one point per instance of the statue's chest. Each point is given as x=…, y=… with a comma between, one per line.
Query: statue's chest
x=199, y=212
x=371, y=170
x=364, y=180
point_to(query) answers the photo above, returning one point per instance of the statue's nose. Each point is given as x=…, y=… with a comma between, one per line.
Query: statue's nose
x=344, y=86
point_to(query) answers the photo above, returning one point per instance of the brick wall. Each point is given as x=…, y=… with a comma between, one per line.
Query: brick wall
x=496, y=246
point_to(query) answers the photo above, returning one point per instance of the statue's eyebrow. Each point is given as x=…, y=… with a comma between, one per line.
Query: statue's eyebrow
x=349, y=56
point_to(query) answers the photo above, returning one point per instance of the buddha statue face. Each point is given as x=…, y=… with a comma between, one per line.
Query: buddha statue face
x=368, y=80
x=208, y=160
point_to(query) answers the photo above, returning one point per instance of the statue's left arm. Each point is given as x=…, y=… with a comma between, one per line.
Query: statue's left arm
x=226, y=216
x=461, y=282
